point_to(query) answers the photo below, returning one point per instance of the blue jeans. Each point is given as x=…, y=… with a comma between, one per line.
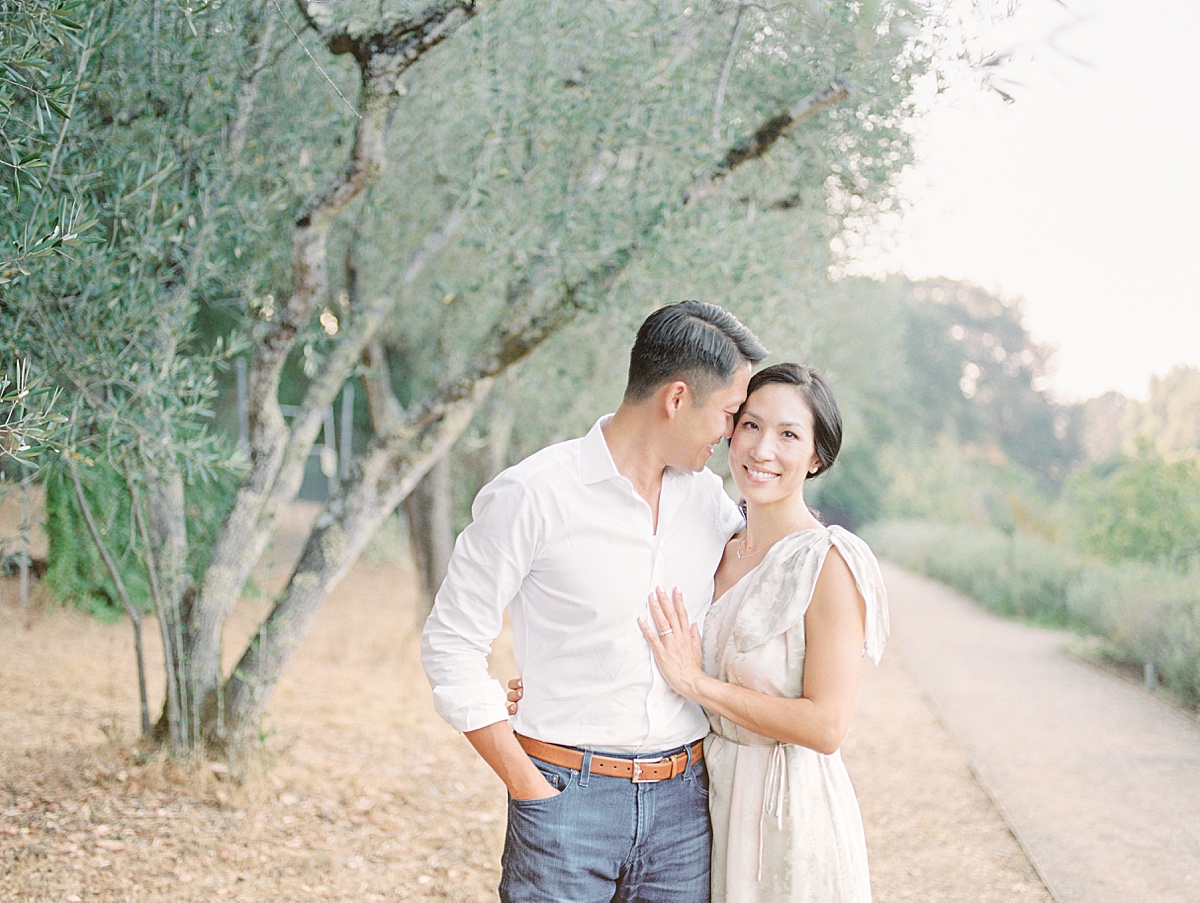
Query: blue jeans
x=608, y=840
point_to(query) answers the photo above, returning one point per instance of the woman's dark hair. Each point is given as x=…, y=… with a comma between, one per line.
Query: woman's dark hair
x=827, y=419
x=700, y=343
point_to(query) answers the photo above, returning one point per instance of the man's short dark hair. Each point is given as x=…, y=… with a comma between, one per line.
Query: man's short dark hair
x=702, y=344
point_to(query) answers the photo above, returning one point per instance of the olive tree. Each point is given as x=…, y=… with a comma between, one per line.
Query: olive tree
x=418, y=196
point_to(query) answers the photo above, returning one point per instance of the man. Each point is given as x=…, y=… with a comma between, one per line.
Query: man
x=603, y=764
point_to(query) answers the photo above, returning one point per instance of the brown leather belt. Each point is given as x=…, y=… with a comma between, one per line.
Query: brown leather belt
x=640, y=771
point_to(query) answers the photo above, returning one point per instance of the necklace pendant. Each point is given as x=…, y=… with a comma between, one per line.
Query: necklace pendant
x=739, y=551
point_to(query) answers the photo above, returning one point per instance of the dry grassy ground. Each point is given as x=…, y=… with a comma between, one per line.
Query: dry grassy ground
x=364, y=794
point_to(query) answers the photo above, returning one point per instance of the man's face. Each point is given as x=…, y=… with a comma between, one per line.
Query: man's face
x=700, y=425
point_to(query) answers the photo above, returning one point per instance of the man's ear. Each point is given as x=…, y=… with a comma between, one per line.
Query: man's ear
x=673, y=396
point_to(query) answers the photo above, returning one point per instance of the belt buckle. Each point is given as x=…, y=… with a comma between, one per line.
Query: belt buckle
x=637, y=770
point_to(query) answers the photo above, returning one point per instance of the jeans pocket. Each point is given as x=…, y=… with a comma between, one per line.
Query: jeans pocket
x=555, y=778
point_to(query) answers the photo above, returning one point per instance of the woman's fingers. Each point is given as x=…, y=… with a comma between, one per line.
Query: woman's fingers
x=657, y=628
x=669, y=613
x=658, y=615
x=516, y=691
x=681, y=612
x=668, y=631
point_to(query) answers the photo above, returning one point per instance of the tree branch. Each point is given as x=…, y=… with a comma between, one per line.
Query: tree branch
x=764, y=138
x=405, y=40
x=517, y=337
x=382, y=55
x=723, y=81
x=248, y=94
x=382, y=407
x=135, y=616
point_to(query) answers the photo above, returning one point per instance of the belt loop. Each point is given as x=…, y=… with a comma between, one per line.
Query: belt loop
x=585, y=770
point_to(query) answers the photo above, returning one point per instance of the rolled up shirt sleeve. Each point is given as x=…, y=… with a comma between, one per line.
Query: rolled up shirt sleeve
x=491, y=559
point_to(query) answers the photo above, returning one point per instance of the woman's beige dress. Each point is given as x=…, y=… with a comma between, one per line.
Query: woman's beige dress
x=786, y=825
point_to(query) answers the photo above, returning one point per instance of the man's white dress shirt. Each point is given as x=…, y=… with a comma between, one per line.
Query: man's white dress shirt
x=565, y=543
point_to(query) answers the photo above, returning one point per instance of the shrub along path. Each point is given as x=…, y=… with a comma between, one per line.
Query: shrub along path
x=1099, y=780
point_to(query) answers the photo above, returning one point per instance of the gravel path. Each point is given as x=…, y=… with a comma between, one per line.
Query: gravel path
x=1099, y=779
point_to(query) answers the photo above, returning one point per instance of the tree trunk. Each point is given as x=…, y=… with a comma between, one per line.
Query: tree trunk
x=135, y=616
x=162, y=521
x=499, y=438
x=381, y=480
x=430, y=530
x=278, y=451
x=23, y=559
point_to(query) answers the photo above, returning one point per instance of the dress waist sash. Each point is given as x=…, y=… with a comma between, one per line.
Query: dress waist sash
x=775, y=786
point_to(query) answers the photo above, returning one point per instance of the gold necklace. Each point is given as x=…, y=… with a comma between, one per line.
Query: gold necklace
x=742, y=545
x=742, y=554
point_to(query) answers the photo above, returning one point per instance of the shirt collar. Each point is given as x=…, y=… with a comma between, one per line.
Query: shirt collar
x=596, y=463
x=596, y=460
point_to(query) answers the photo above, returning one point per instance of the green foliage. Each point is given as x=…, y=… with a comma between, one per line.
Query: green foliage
x=77, y=573
x=977, y=375
x=1147, y=614
x=852, y=493
x=556, y=129
x=1144, y=612
x=36, y=97
x=1141, y=508
x=1009, y=573
x=939, y=384
x=1170, y=418
x=29, y=426
x=542, y=144
x=112, y=325
x=948, y=482
x=977, y=456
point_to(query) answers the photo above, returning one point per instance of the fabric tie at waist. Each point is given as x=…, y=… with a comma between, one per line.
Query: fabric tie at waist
x=774, y=796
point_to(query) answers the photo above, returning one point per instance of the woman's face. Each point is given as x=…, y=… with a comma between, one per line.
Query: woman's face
x=772, y=449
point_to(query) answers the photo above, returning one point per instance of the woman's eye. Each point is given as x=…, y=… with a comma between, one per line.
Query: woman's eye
x=788, y=434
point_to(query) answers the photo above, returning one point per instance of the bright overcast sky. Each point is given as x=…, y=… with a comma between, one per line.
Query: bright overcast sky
x=1083, y=195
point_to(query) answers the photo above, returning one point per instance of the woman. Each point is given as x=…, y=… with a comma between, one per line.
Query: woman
x=797, y=604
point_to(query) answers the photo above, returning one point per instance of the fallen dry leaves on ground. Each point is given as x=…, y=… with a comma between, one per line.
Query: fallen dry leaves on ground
x=363, y=793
